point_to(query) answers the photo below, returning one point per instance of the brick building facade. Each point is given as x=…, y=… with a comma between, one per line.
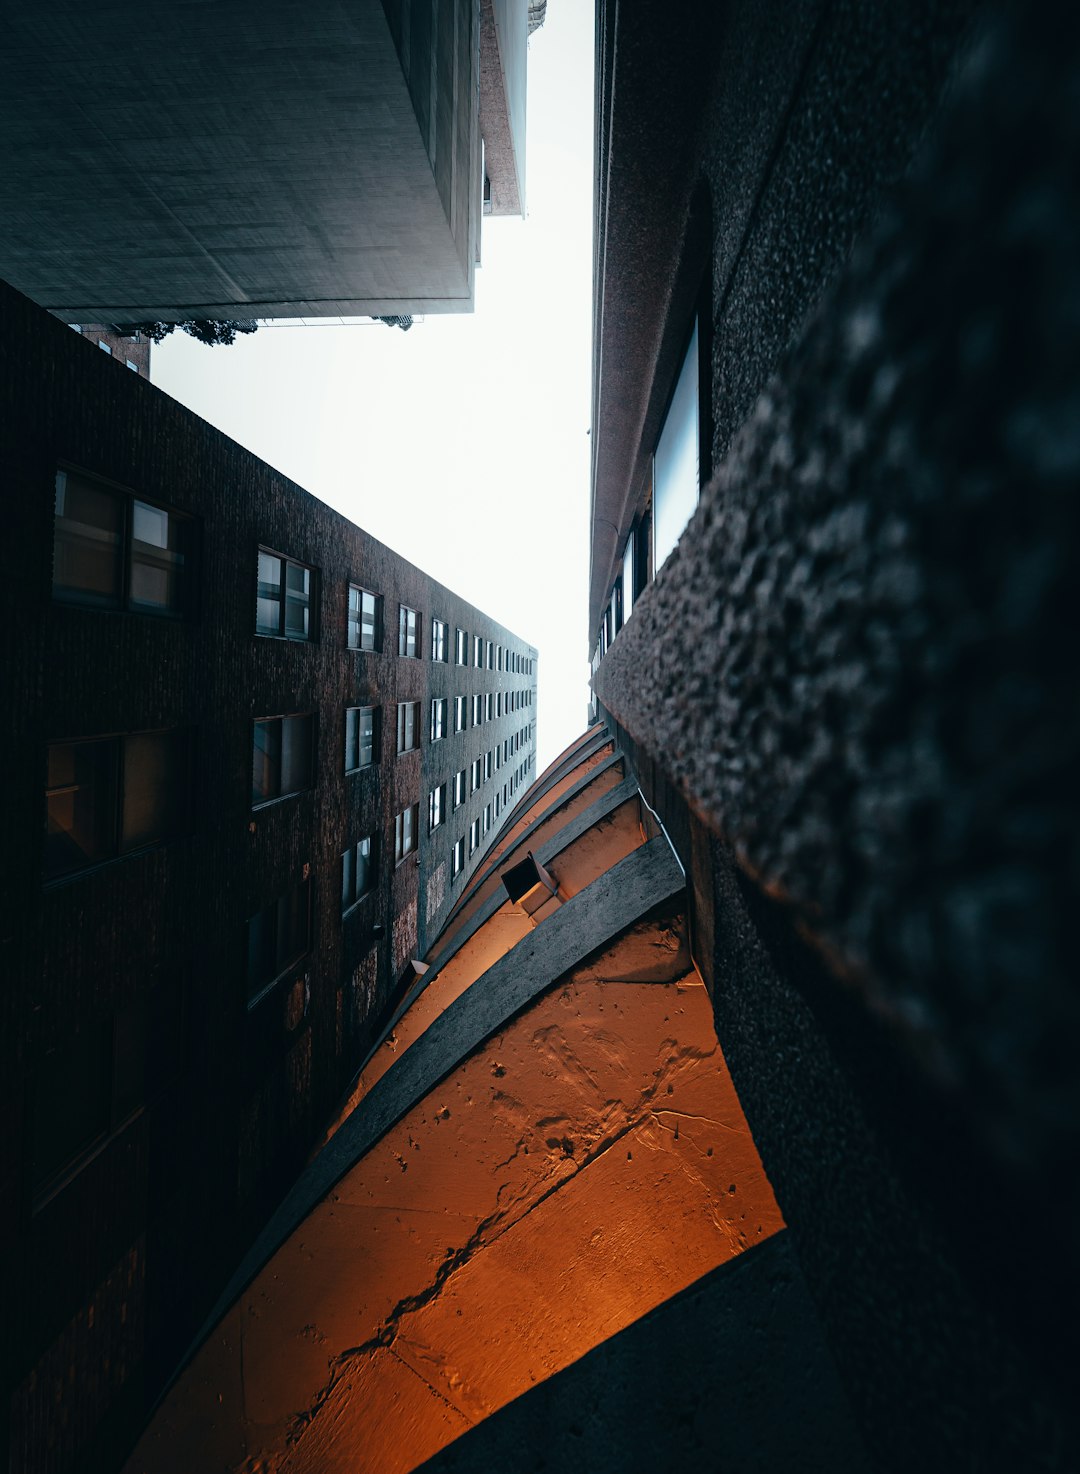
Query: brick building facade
x=257, y=755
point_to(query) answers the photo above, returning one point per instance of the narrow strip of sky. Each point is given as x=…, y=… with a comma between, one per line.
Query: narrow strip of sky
x=463, y=443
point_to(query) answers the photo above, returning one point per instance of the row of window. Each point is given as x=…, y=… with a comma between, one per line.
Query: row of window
x=671, y=498
x=110, y=796
x=112, y=550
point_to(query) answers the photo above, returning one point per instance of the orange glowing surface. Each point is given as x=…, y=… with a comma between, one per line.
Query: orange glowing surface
x=556, y=818
x=520, y=823
x=590, y=856
x=579, y=1169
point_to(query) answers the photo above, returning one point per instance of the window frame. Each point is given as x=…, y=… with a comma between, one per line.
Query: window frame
x=439, y=718
x=123, y=603
x=376, y=735
x=292, y=716
x=284, y=969
x=437, y=807
x=409, y=635
x=372, y=840
x=402, y=720
x=403, y=850
x=114, y=848
x=375, y=648
x=439, y=641
x=282, y=633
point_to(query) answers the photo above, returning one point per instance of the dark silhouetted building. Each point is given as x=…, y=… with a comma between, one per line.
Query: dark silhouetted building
x=259, y=754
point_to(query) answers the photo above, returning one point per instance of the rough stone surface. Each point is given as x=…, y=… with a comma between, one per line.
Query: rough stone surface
x=864, y=619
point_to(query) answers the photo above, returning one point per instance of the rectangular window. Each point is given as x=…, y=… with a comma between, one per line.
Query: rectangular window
x=474, y=836
x=408, y=726
x=438, y=639
x=475, y=776
x=408, y=632
x=477, y=710
x=365, y=619
x=490, y=655
x=439, y=714
x=498, y=804
x=113, y=795
x=282, y=758
x=406, y=827
x=359, y=871
x=461, y=647
x=487, y=817
x=113, y=551
x=478, y=652
x=286, y=598
x=133, y=366
x=461, y=713
x=489, y=706
x=628, y=587
x=361, y=737
x=457, y=858
x=498, y=703
x=676, y=460
x=278, y=936
x=487, y=766
x=459, y=788
x=436, y=806
x=103, y=345
x=498, y=758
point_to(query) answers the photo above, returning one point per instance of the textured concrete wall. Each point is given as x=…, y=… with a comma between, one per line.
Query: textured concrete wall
x=236, y=161
x=853, y=670
x=791, y=121
x=150, y=1223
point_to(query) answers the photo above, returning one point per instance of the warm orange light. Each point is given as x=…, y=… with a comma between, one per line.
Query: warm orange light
x=582, y=1167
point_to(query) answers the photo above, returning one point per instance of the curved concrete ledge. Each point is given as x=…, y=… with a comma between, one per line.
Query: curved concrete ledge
x=629, y=890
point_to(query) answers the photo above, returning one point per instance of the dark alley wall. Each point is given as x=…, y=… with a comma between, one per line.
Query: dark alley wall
x=852, y=694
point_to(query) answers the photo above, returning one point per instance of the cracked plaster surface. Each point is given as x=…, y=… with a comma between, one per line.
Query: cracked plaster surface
x=587, y=1163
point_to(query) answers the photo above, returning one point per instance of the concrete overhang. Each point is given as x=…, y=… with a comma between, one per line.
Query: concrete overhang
x=168, y=162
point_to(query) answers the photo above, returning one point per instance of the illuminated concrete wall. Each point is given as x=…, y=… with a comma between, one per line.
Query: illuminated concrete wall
x=544, y=1175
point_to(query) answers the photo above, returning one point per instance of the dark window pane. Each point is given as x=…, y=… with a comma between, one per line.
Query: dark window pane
x=268, y=615
x=292, y=929
x=129, y=1060
x=165, y=1036
x=367, y=736
x=71, y=1101
x=262, y=942
x=159, y=559
x=369, y=631
x=348, y=878
x=155, y=787
x=80, y=805
x=87, y=542
x=352, y=739
x=297, y=601
x=296, y=753
x=266, y=762
x=365, y=866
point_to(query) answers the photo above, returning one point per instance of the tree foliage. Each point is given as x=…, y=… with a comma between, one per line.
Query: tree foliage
x=210, y=330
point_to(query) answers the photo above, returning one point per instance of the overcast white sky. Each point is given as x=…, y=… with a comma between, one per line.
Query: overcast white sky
x=463, y=443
